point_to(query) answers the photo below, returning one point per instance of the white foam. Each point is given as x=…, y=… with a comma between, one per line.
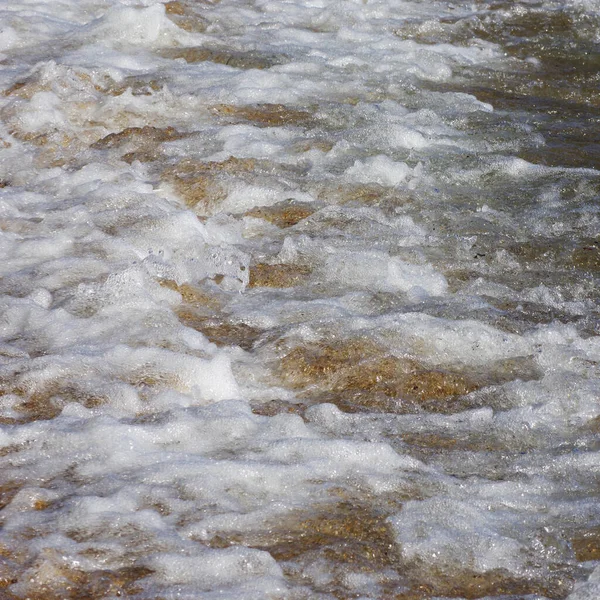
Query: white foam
x=588, y=590
x=9, y=38
x=431, y=531
x=215, y=568
x=379, y=169
x=447, y=341
x=136, y=26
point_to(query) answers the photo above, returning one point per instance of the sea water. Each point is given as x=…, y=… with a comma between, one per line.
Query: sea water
x=299, y=299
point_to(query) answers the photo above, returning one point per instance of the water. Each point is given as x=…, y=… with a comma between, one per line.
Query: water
x=299, y=300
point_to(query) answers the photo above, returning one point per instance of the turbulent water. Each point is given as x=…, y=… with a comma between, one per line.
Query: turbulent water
x=299, y=299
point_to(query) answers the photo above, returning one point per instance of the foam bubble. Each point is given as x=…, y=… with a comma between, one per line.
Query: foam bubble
x=125, y=26
x=379, y=169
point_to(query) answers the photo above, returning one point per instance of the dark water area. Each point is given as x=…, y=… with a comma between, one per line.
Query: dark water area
x=556, y=91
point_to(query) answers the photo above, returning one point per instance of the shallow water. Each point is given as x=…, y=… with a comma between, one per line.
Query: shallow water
x=300, y=300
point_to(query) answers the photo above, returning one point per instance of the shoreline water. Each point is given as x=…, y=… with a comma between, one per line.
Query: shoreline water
x=299, y=300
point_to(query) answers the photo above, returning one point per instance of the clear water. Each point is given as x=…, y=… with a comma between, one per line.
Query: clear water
x=300, y=299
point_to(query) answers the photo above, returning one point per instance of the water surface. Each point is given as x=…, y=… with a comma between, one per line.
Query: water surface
x=299, y=300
